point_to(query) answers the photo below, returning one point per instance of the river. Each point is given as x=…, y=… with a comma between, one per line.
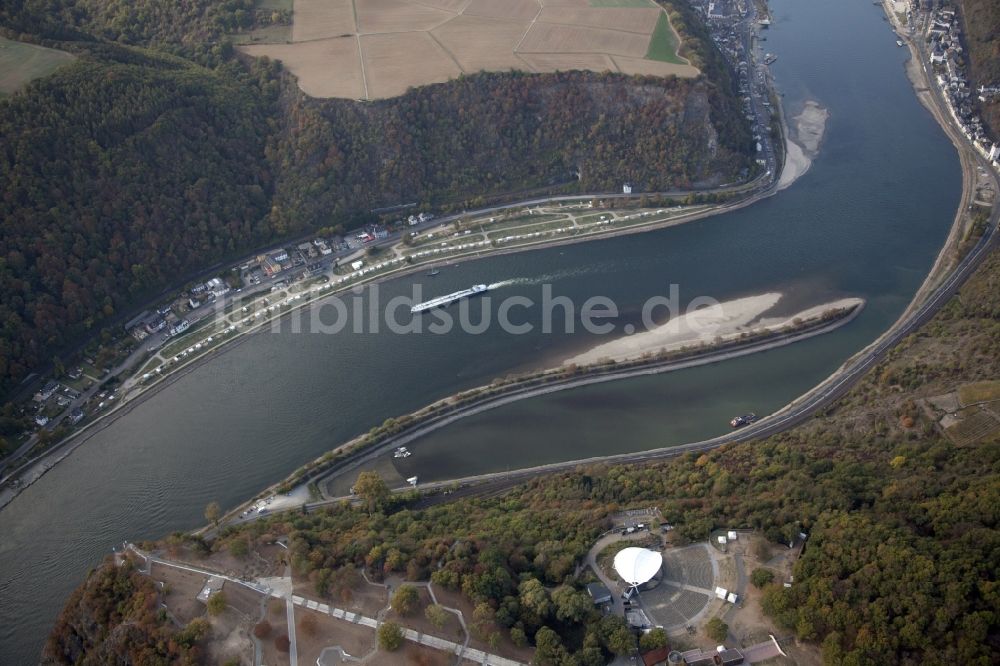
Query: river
x=867, y=220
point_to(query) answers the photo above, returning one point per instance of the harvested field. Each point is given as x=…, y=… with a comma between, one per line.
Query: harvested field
x=979, y=392
x=653, y=68
x=326, y=68
x=374, y=49
x=480, y=43
x=322, y=19
x=552, y=38
x=628, y=20
x=455, y=6
x=514, y=10
x=622, y=3
x=394, y=63
x=20, y=63
x=376, y=16
x=556, y=62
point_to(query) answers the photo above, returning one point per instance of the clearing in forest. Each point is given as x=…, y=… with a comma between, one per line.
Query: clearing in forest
x=20, y=63
x=375, y=49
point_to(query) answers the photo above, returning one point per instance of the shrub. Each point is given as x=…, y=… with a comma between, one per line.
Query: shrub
x=216, y=603
x=717, y=630
x=308, y=625
x=761, y=577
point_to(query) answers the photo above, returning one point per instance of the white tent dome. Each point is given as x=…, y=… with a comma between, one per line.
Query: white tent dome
x=637, y=565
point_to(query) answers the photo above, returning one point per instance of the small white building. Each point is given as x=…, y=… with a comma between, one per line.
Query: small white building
x=627, y=188
x=356, y=265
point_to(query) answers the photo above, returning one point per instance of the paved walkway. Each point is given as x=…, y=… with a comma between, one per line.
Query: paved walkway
x=763, y=651
x=293, y=650
x=281, y=588
x=457, y=649
x=618, y=608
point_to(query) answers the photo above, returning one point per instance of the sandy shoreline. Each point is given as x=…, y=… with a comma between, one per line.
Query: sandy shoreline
x=717, y=323
x=808, y=129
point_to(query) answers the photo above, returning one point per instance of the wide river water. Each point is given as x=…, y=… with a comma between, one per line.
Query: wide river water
x=867, y=220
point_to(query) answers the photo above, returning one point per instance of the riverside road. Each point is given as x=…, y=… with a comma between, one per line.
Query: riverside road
x=794, y=414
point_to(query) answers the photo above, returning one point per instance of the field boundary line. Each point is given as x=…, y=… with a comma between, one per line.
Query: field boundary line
x=424, y=4
x=527, y=66
x=445, y=48
x=530, y=25
x=361, y=52
x=583, y=25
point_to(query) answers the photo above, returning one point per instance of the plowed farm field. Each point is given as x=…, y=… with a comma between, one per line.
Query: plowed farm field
x=375, y=49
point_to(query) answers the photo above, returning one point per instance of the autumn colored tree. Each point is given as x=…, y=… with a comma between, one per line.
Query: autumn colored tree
x=372, y=489
x=213, y=512
x=308, y=624
x=262, y=629
x=405, y=599
x=437, y=615
x=216, y=603
x=390, y=636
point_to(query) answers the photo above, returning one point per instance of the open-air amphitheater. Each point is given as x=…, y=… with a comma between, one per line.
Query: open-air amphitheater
x=689, y=578
x=375, y=49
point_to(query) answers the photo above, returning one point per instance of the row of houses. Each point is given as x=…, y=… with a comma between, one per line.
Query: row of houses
x=944, y=36
x=61, y=396
x=145, y=324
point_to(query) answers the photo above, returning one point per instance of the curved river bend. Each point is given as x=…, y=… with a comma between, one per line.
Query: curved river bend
x=867, y=220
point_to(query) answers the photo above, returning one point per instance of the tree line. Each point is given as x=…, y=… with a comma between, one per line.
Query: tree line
x=138, y=164
x=902, y=546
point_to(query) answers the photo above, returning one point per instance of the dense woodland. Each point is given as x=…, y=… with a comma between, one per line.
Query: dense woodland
x=903, y=549
x=140, y=164
x=164, y=23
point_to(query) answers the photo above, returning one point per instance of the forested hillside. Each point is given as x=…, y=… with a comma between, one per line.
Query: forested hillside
x=492, y=133
x=132, y=168
x=165, y=23
x=981, y=19
x=121, y=172
x=900, y=565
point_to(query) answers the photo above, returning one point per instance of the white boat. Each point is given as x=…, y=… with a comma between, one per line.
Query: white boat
x=447, y=299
